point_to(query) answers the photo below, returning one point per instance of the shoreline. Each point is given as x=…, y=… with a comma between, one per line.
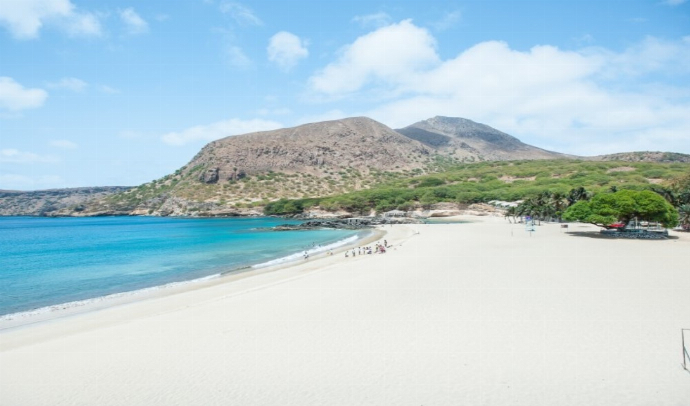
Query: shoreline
x=482, y=312
x=11, y=321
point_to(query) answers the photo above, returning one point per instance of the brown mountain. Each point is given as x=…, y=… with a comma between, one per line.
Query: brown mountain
x=231, y=175
x=234, y=175
x=466, y=140
x=358, y=143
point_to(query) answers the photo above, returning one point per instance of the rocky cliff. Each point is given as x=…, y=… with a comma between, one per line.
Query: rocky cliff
x=467, y=141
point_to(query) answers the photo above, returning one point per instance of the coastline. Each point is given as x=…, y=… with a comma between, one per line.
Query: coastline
x=481, y=312
x=52, y=312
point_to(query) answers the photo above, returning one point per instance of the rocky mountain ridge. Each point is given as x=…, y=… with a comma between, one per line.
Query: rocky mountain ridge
x=236, y=175
x=45, y=202
x=359, y=142
x=468, y=141
x=644, y=156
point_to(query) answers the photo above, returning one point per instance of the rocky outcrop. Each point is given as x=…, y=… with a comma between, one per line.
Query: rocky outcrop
x=210, y=175
x=49, y=202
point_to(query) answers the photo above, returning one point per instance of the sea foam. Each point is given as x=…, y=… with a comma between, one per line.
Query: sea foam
x=311, y=251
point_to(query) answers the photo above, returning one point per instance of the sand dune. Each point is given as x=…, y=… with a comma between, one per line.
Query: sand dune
x=480, y=313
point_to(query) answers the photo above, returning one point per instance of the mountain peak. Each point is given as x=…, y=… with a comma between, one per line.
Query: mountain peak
x=469, y=140
x=463, y=128
x=316, y=148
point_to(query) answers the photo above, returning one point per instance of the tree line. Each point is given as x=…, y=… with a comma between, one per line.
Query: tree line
x=550, y=201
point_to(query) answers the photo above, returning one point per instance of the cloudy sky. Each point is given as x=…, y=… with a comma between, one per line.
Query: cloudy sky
x=120, y=92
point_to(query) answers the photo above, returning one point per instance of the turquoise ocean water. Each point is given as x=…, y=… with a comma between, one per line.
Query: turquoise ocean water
x=48, y=261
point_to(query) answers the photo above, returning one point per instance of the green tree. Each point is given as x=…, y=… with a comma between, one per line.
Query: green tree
x=607, y=208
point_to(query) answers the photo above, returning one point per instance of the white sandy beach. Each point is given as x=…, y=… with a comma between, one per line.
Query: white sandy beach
x=479, y=313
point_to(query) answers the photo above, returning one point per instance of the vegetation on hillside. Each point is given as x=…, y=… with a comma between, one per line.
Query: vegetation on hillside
x=503, y=180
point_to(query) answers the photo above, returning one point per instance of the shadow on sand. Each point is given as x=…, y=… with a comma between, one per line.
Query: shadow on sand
x=596, y=234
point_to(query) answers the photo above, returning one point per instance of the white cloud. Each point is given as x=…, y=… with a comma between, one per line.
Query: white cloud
x=448, y=20
x=376, y=20
x=11, y=155
x=240, y=13
x=63, y=144
x=72, y=84
x=648, y=56
x=15, y=97
x=587, y=102
x=286, y=49
x=388, y=55
x=133, y=21
x=237, y=58
x=218, y=130
x=109, y=90
x=81, y=24
x=25, y=18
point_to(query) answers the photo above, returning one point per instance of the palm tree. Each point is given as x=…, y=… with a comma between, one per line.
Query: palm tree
x=575, y=195
x=511, y=212
x=684, y=219
x=559, y=202
x=524, y=209
x=537, y=207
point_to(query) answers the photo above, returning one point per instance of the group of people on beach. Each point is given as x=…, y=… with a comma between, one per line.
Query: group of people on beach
x=367, y=250
x=378, y=249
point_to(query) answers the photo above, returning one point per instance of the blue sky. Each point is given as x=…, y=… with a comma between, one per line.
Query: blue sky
x=122, y=92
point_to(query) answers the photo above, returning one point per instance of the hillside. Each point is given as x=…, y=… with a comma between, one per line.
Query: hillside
x=644, y=156
x=230, y=175
x=464, y=184
x=42, y=202
x=466, y=141
x=239, y=175
x=360, y=143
